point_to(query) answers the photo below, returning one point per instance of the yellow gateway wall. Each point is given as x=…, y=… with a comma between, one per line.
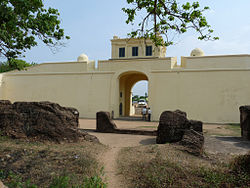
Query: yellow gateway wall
x=208, y=88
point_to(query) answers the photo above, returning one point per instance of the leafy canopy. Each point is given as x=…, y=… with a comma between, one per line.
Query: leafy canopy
x=14, y=64
x=22, y=22
x=168, y=18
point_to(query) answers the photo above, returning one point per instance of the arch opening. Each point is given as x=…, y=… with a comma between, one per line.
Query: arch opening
x=127, y=81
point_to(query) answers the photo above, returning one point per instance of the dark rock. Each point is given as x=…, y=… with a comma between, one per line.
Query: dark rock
x=245, y=122
x=196, y=125
x=171, y=127
x=104, y=123
x=4, y=102
x=193, y=142
x=175, y=127
x=40, y=121
x=181, y=112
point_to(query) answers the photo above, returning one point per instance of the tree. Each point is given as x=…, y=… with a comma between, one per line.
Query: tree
x=135, y=98
x=168, y=19
x=22, y=22
x=14, y=64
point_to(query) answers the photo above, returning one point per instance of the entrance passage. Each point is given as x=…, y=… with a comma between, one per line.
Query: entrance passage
x=126, y=82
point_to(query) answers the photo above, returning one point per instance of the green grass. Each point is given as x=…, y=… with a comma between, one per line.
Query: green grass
x=36, y=163
x=64, y=181
x=235, y=128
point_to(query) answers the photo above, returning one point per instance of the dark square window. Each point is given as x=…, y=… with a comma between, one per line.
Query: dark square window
x=148, y=50
x=134, y=51
x=121, y=52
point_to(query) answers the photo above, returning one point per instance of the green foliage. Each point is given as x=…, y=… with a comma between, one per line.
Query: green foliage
x=241, y=164
x=22, y=22
x=60, y=182
x=218, y=178
x=169, y=18
x=15, y=181
x=94, y=182
x=14, y=64
x=135, y=98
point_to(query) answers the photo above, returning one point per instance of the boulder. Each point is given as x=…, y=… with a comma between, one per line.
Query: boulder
x=171, y=127
x=104, y=123
x=196, y=125
x=175, y=127
x=181, y=112
x=40, y=121
x=245, y=122
x=4, y=102
x=193, y=142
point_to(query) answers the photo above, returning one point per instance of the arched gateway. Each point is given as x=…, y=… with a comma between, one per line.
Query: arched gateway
x=126, y=82
x=208, y=88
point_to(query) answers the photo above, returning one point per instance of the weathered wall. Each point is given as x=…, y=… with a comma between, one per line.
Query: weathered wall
x=73, y=86
x=1, y=86
x=209, y=88
x=210, y=96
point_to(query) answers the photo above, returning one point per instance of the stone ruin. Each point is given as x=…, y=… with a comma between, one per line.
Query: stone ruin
x=245, y=122
x=174, y=127
x=104, y=123
x=41, y=121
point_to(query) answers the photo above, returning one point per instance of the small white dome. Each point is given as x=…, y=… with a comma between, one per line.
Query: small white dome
x=82, y=57
x=197, y=52
x=115, y=37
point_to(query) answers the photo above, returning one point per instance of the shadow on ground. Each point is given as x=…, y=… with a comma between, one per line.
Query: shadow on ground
x=237, y=141
x=148, y=141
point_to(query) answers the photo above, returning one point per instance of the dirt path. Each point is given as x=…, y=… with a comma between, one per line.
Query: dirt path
x=109, y=159
x=111, y=174
x=213, y=144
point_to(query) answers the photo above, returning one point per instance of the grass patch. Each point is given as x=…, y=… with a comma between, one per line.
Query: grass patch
x=34, y=163
x=166, y=166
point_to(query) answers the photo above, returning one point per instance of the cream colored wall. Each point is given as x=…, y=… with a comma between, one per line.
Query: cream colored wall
x=1, y=86
x=210, y=96
x=143, y=65
x=210, y=89
x=83, y=90
x=214, y=62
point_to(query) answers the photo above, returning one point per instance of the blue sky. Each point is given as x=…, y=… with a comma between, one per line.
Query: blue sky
x=91, y=25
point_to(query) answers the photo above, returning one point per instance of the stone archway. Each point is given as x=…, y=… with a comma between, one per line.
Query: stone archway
x=126, y=82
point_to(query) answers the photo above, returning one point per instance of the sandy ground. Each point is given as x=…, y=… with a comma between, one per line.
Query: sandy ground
x=213, y=144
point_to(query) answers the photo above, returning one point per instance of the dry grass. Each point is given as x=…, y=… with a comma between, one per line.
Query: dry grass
x=42, y=162
x=223, y=130
x=159, y=166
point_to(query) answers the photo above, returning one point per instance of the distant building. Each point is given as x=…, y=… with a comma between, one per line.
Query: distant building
x=208, y=88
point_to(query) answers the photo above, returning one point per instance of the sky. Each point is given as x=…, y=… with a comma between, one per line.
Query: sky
x=91, y=25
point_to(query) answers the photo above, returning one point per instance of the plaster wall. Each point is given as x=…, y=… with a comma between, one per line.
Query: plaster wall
x=210, y=89
x=136, y=64
x=85, y=91
x=210, y=96
x=215, y=62
x=1, y=86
